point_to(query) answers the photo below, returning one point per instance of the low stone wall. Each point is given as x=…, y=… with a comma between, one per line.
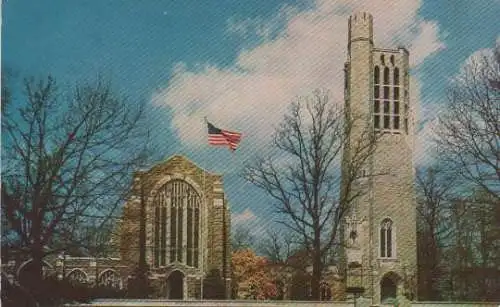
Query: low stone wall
x=455, y=304
x=242, y=303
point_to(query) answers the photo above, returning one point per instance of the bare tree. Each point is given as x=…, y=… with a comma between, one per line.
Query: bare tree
x=303, y=176
x=469, y=134
x=278, y=246
x=242, y=238
x=473, y=255
x=6, y=94
x=469, y=141
x=67, y=162
x=435, y=190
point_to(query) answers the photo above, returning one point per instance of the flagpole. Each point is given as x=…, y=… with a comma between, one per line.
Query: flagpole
x=203, y=220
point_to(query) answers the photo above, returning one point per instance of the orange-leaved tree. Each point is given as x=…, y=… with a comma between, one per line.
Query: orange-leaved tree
x=252, y=280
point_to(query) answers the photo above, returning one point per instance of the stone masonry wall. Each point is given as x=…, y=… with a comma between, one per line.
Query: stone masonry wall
x=214, y=213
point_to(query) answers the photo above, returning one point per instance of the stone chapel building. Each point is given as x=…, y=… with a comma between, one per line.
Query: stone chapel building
x=187, y=228
x=380, y=230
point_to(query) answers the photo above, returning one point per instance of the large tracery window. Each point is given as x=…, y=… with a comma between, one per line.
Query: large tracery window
x=177, y=224
x=386, y=239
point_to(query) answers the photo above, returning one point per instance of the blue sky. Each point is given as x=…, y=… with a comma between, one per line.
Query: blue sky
x=238, y=62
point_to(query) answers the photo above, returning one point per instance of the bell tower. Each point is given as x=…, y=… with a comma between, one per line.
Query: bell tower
x=379, y=231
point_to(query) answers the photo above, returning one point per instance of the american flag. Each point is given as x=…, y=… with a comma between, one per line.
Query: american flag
x=218, y=136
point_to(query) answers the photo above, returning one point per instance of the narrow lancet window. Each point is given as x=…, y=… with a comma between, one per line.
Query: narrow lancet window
x=386, y=75
x=386, y=239
x=396, y=76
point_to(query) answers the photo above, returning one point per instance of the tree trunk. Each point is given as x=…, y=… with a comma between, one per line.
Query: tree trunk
x=35, y=267
x=317, y=268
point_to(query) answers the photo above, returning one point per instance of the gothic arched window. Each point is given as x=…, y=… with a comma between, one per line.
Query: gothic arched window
x=78, y=276
x=386, y=239
x=109, y=278
x=177, y=224
x=376, y=96
x=396, y=76
x=386, y=75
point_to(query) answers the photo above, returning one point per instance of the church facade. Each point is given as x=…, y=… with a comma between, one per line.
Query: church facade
x=380, y=255
x=187, y=228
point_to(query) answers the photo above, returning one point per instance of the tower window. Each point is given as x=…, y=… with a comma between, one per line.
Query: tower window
x=396, y=107
x=387, y=120
x=386, y=107
x=386, y=92
x=396, y=76
x=386, y=240
x=396, y=122
x=396, y=93
x=389, y=93
x=377, y=121
x=376, y=111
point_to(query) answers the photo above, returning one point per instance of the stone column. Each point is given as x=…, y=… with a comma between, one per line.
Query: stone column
x=185, y=291
x=184, y=227
x=168, y=243
x=228, y=288
x=149, y=217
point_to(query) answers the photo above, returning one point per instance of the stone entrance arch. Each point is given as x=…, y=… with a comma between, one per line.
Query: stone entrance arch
x=175, y=285
x=27, y=269
x=389, y=287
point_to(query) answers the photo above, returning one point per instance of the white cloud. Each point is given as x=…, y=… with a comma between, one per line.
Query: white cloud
x=425, y=146
x=425, y=150
x=426, y=43
x=248, y=221
x=309, y=52
x=243, y=217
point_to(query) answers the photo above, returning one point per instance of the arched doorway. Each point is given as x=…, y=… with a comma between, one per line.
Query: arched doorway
x=388, y=288
x=27, y=271
x=175, y=285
